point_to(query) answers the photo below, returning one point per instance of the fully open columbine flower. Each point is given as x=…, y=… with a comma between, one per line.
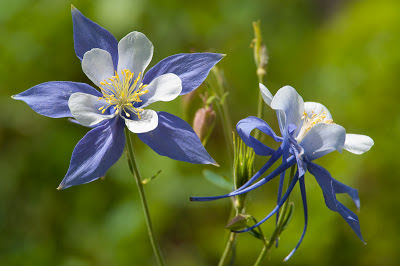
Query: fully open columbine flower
x=308, y=133
x=125, y=91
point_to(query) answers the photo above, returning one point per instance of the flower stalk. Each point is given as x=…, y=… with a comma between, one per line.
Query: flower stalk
x=243, y=168
x=222, y=108
x=279, y=226
x=135, y=172
x=261, y=60
x=225, y=258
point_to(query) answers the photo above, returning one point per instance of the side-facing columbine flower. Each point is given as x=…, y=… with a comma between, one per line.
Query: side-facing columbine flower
x=117, y=68
x=308, y=133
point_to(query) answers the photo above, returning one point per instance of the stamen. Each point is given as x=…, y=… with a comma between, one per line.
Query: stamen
x=121, y=91
x=310, y=122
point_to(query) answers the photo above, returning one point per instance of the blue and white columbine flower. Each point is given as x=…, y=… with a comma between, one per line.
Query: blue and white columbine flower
x=117, y=68
x=308, y=133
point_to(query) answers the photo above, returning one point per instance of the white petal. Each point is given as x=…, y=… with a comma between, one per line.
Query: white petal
x=266, y=94
x=97, y=64
x=358, y=144
x=164, y=88
x=322, y=139
x=290, y=102
x=85, y=109
x=135, y=52
x=147, y=122
x=316, y=108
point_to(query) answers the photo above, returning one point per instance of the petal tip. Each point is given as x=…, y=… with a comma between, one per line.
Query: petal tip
x=216, y=164
x=60, y=187
x=13, y=97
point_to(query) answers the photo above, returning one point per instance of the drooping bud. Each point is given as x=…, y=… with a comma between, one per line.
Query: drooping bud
x=243, y=168
x=203, y=123
x=187, y=102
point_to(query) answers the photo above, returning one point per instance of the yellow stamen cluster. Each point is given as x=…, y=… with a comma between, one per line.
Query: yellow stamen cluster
x=310, y=122
x=119, y=91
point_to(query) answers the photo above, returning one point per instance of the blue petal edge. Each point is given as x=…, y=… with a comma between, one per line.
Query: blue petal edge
x=244, y=128
x=305, y=209
x=175, y=138
x=95, y=153
x=241, y=190
x=51, y=98
x=278, y=206
x=326, y=183
x=192, y=69
x=89, y=35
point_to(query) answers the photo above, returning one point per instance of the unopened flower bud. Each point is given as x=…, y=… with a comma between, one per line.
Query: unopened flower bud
x=203, y=122
x=187, y=100
x=260, y=50
x=243, y=168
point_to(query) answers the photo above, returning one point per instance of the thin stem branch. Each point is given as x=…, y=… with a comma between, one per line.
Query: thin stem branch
x=279, y=226
x=135, y=171
x=225, y=129
x=260, y=103
x=228, y=250
x=223, y=111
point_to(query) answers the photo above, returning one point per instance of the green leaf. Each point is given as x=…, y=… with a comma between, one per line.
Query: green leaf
x=256, y=234
x=217, y=180
x=210, y=100
x=147, y=180
x=223, y=98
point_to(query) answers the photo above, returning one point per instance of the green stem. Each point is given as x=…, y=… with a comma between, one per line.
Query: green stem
x=228, y=250
x=260, y=107
x=135, y=171
x=226, y=129
x=260, y=103
x=224, y=112
x=279, y=226
x=261, y=256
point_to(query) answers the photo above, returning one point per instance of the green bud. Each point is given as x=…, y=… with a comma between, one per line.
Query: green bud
x=243, y=168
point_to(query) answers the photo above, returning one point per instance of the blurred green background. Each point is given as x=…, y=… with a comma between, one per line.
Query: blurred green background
x=344, y=54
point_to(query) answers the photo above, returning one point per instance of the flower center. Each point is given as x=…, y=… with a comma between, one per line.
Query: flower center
x=310, y=121
x=119, y=92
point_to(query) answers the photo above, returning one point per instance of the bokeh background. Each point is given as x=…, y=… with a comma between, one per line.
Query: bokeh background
x=344, y=54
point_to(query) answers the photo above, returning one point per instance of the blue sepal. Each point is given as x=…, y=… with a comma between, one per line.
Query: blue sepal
x=51, y=98
x=192, y=69
x=175, y=138
x=326, y=183
x=244, y=128
x=89, y=35
x=95, y=153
